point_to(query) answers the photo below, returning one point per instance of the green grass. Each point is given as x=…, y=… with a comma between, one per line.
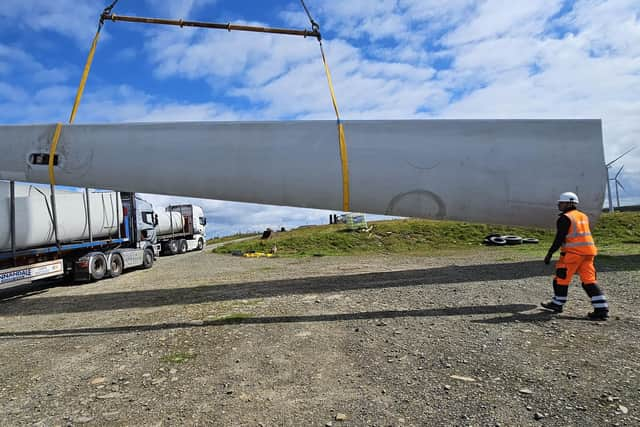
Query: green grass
x=617, y=233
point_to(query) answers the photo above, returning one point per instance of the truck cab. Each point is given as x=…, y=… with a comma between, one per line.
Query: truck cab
x=146, y=222
x=181, y=228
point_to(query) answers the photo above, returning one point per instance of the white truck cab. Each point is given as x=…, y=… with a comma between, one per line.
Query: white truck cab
x=180, y=228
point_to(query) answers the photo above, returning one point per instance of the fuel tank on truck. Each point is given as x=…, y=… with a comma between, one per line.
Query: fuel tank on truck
x=169, y=222
x=34, y=224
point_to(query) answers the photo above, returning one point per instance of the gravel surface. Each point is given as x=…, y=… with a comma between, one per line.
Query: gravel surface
x=203, y=339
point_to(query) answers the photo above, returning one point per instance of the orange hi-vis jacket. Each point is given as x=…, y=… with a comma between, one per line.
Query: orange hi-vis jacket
x=579, y=240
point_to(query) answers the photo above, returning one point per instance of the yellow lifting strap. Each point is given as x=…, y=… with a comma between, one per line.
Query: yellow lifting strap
x=76, y=102
x=344, y=158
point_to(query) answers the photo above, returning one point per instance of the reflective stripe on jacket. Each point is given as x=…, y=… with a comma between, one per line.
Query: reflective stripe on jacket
x=579, y=240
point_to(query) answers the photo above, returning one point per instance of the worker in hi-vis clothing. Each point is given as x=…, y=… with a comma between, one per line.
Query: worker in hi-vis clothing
x=577, y=252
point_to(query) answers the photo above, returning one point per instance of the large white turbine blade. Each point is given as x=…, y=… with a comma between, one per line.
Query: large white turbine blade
x=497, y=171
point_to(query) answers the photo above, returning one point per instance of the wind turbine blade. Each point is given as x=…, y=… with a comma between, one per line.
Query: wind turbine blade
x=468, y=170
x=616, y=177
x=620, y=156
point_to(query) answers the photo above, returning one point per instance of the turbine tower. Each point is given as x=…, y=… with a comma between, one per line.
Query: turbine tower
x=618, y=185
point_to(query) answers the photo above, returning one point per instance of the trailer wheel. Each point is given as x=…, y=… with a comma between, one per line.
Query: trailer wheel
x=117, y=265
x=147, y=258
x=98, y=267
x=172, y=247
x=182, y=246
x=200, y=244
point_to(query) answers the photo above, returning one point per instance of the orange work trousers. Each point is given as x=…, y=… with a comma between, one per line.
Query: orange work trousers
x=570, y=264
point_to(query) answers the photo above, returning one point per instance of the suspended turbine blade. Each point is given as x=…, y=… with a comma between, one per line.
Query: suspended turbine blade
x=489, y=171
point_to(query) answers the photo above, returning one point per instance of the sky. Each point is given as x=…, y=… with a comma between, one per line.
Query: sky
x=390, y=59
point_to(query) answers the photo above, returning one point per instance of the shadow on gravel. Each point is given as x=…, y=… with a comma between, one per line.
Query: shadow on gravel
x=366, y=315
x=538, y=317
x=618, y=262
x=311, y=285
x=23, y=291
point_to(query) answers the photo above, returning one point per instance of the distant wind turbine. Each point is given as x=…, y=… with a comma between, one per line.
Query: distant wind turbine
x=608, y=165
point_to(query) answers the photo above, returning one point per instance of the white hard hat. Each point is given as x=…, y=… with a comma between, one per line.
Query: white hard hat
x=569, y=197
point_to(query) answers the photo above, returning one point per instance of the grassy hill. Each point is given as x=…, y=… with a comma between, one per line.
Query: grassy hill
x=617, y=233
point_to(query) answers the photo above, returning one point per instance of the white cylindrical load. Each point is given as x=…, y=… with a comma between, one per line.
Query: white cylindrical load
x=169, y=222
x=34, y=226
x=495, y=171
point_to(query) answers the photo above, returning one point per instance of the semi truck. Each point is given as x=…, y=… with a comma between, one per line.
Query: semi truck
x=180, y=228
x=85, y=235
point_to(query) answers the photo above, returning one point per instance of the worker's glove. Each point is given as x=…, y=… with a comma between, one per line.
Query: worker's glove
x=547, y=259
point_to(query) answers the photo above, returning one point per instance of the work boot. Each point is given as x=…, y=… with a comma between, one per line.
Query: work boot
x=556, y=308
x=598, y=314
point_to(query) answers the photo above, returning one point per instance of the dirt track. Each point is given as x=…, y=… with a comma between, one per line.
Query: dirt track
x=382, y=341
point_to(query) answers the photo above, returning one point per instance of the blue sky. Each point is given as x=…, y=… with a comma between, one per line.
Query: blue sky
x=390, y=59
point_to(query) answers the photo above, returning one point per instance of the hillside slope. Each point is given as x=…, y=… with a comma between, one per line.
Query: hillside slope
x=615, y=234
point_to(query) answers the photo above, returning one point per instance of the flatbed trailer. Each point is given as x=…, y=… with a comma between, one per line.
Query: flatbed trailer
x=81, y=260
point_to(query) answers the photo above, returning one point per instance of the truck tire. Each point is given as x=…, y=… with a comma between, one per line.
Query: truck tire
x=116, y=265
x=513, y=240
x=182, y=246
x=171, y=247
x=497, y=241
x=147, y=258
x=98, y=267
x=200, y=244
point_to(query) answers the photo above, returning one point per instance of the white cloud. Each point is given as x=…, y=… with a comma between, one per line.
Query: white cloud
x=400, y=20
x=496, y=18
x=108, y=103
x=77, y=19
x=126, y=54
x=11, y=93
x=125, y=104
x=611, y=26
x=177, y=9
x=216, y=54
x=18, y=62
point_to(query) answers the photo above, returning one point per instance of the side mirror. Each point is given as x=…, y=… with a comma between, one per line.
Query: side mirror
x=155, y=219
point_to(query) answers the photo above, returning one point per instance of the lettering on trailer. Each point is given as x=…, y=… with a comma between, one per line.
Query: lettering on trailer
x=13, y=276
x=31, y=272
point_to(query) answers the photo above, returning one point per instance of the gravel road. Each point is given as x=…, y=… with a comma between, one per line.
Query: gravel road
x=204, y=339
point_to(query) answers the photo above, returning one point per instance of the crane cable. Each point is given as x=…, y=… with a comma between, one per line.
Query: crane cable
x=341, y=138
